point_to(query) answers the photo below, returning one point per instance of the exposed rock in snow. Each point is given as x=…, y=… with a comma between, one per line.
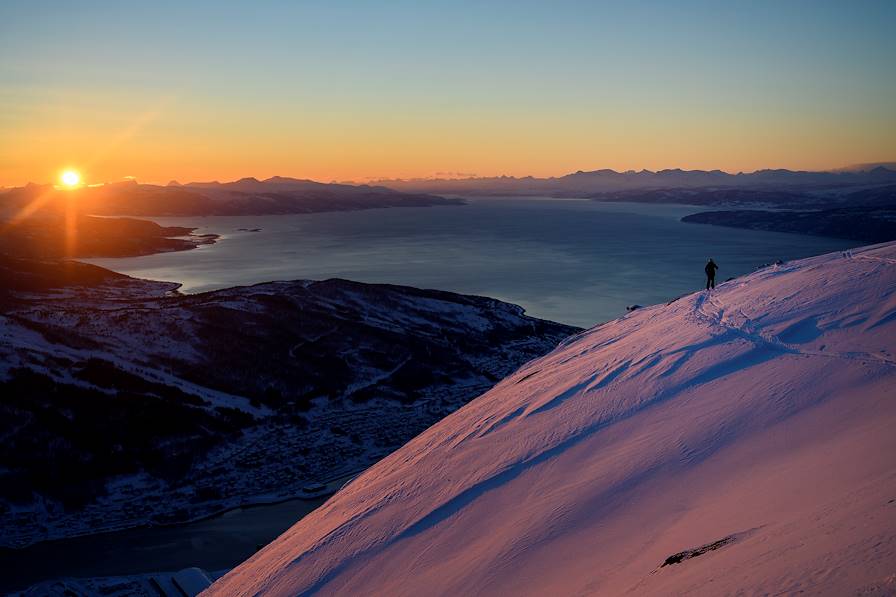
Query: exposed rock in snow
x=743, y=437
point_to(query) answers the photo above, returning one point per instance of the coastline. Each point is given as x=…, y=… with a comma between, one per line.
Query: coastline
x=866, y=224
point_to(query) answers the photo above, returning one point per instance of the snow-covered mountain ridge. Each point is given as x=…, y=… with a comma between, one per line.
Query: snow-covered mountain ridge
x=126, y=403
x=735, y=441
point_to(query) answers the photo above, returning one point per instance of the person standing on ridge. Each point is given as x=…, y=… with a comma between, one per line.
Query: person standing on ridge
x=711, y=268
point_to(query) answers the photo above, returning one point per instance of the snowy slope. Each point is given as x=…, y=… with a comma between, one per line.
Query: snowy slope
x=757, y=421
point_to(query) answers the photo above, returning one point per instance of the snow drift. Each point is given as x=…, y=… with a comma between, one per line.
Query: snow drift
x=739, y=440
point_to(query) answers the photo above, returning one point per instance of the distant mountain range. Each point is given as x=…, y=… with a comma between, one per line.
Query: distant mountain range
x=870, y=188
x=858, y=202
x=48, y=222
x=865, y=167
x=279, y=195
x=247, y=196
x=586, y=184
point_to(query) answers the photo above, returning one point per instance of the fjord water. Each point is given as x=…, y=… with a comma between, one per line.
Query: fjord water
x=574, y=261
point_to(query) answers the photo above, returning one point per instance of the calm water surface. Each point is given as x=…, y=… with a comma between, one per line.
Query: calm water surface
x=574, y=261
x=213, y=544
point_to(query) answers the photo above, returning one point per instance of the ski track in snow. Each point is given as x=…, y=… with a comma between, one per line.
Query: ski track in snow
x=758, y=339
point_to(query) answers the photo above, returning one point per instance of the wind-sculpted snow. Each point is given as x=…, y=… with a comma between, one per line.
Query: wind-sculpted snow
x=744, y=436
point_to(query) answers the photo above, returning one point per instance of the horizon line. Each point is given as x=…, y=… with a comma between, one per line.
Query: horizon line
x=441, y=176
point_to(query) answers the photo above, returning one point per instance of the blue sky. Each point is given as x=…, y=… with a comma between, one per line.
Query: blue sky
x=407, y=87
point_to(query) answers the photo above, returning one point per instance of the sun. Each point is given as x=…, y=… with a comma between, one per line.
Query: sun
x=70, y=178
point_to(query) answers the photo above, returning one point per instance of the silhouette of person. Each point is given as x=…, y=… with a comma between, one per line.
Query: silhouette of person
x=710, y=269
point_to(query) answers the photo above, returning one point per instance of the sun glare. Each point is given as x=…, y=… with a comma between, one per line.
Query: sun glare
x=70, y=178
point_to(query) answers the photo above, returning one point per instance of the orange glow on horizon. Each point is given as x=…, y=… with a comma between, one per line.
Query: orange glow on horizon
x=166, y=140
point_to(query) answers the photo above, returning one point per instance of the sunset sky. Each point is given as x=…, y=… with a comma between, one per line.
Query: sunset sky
x=360, y=90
